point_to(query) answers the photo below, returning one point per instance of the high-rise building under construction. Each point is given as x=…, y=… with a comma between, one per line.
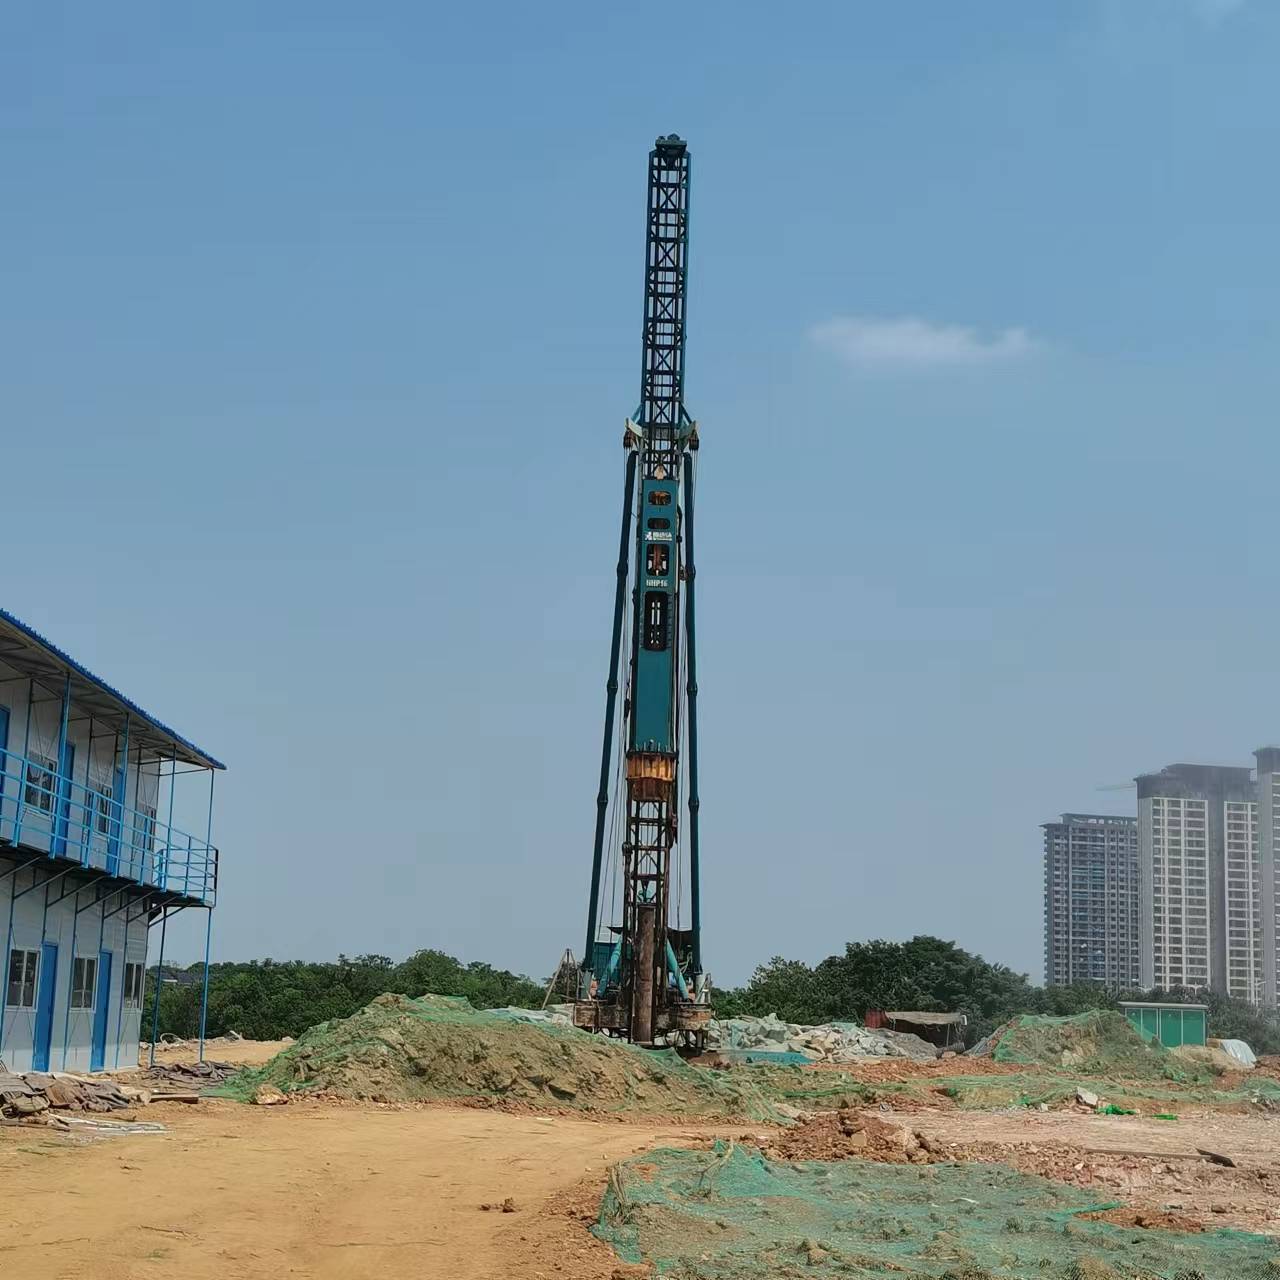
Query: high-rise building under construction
x=1200, y=918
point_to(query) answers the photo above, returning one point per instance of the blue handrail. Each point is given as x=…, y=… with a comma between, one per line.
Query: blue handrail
x=43, y=810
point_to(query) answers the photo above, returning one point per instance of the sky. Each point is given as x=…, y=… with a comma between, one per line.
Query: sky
x=319, y=326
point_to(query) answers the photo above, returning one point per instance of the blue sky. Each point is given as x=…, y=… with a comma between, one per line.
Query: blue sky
x=319, y=329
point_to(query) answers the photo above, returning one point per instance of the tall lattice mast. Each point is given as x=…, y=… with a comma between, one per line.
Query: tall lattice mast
x=645, y=980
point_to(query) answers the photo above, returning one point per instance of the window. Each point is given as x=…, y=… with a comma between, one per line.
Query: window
x=659, y=522
x=84, y=978
x=102, y=801
x=22, y=979
x=144, y=826
x=655, y=619
x=658, y=561
x=133, y=979
x=39, y=788
x=660, y=497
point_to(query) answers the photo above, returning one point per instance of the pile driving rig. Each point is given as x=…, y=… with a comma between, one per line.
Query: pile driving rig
x=644, y=980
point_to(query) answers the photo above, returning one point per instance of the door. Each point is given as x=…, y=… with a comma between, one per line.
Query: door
x=66, y=767
x=101, y=1006
x=48, y=989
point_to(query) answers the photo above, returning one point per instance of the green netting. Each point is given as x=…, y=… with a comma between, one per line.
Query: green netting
x=769, y=1057
x=398, y=1049
x=1101, y=1042
x=732, y=1215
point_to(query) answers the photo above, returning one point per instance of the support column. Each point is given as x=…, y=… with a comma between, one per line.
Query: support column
x=22, y=781
x=8, y=956
x=71, y=976
x=691, y=689
x=642, y=1013
x=611, y=700
x=204, y=994
x=155, y=1012
x=124, y=971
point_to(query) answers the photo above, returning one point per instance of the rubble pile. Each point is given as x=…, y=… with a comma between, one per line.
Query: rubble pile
x=845, y=1134
x=831, y=1042
x=192, y=1075
x=38, y=1091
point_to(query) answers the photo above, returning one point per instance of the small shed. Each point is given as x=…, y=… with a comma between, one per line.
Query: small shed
x=1168, y=1024
x=946, y=1030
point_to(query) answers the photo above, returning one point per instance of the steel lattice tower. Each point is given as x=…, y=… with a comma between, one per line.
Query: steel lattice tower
x=646, y=980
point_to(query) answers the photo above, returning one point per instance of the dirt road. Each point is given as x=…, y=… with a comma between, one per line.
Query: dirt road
x=336, y=1193
x=246, y=1053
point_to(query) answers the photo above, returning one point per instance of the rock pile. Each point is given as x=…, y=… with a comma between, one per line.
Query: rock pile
x=841, y=1135
x=37, y=1091
x=831, y=1042
x=192, y=1075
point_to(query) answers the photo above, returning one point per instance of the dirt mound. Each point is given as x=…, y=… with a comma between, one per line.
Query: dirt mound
x=398, y=1049
x=841, y=1135
x=1217, y=1061
x=1148, y=1219
x=1101, y=1042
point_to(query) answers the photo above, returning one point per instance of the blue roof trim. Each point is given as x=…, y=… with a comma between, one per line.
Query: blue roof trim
x=131, y=706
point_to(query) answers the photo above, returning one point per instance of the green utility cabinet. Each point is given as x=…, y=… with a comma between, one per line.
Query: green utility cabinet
x=1169, y=1024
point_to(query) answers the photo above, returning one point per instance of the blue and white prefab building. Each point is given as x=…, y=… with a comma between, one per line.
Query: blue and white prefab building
x=90, y=856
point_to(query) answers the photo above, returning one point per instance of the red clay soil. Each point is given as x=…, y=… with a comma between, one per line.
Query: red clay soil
x=907, y=1070
x=1166, y=1188
x=843, y=1135
x=1148, y=1219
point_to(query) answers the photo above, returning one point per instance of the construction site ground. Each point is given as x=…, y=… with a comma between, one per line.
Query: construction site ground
x=340, y=1190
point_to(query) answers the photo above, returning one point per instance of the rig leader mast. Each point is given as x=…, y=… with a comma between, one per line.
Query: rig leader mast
x=645, y=979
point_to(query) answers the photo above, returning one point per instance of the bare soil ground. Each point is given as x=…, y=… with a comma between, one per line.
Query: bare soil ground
x=244, y=1053
x=233, y=1192
x=345, y=1191
x=1153, y=1166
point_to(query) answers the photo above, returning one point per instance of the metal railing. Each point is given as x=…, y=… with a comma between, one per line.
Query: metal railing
x=42, y=809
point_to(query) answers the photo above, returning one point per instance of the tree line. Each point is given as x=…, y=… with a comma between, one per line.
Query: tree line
x=927, y=973
x=267, y=999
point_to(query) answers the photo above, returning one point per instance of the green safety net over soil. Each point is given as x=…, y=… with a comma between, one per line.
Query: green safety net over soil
x=1101, y=1042
x=732, y=1215
x=398, y=1049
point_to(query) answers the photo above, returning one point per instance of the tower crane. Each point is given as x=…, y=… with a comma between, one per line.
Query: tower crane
x=644, y=979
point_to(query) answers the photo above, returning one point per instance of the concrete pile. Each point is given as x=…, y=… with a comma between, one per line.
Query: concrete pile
x=37, y=1091
x=830, y=1042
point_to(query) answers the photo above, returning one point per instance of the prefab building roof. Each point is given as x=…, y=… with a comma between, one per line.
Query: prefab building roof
x=26, y=650
x=1155, y=1004
x=925, y=1019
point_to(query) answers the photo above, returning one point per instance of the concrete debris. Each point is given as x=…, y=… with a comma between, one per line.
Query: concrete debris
x=37, y=1091
x=192, y=1075
x=831, y=1042
x=34, y=1092
x=1087, y=1099
x=104, y=1128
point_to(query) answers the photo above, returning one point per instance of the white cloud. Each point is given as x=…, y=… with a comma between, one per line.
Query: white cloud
x=907, y=342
